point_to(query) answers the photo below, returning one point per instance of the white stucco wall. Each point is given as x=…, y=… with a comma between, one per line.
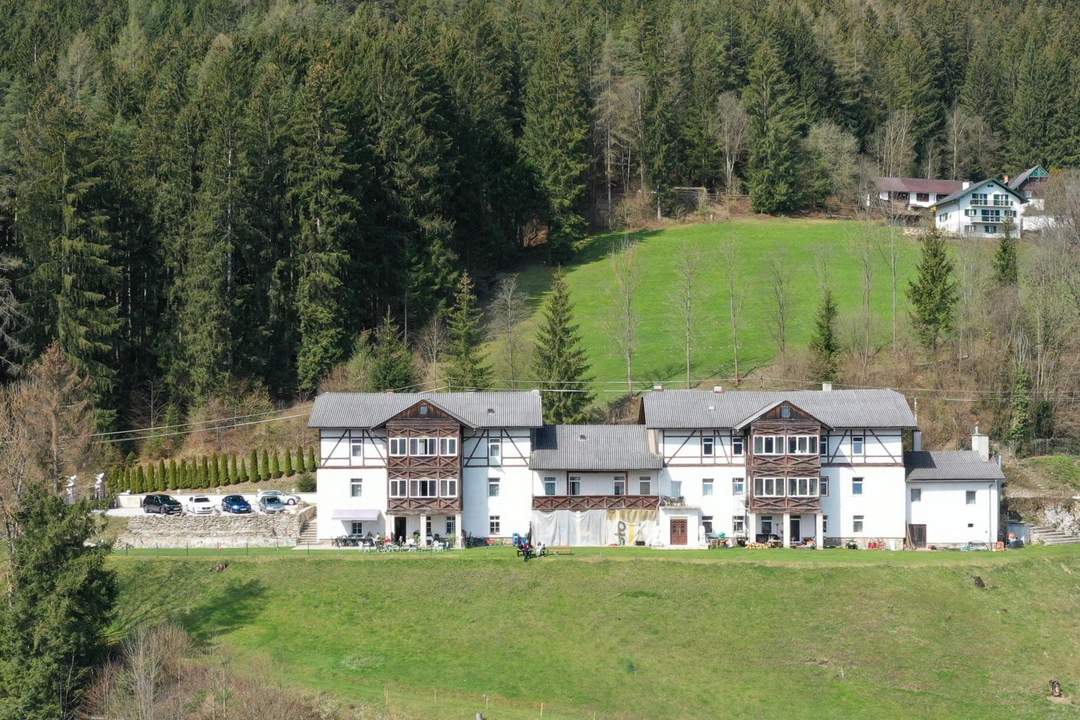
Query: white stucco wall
x=882, y=503
x=949, y=519
x=333, y=493
x=955, y=219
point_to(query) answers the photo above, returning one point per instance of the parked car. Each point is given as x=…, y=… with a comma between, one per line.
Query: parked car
x=271, y=504
x=163, y=504
x=235, y=504
x=200, y=505
x=282, y=496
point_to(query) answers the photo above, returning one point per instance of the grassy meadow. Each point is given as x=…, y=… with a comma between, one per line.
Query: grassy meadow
x=635, y=633
x=800, y=244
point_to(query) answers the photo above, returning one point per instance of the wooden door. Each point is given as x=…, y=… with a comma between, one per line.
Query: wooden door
x=917, y=535
x=678, y=531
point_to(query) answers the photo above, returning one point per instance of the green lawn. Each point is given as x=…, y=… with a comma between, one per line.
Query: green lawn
x=637, y=633
x=659, y=357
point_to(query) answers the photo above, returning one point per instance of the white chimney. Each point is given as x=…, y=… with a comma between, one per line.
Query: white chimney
x=657, y=388
x=965, y=185
x=981, y=444
x=718, y=389
x=826, y=387
x=916, y=440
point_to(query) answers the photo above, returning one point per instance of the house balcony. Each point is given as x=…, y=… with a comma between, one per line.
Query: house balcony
x=423, y=505
x=783, y=503
x=550, y=503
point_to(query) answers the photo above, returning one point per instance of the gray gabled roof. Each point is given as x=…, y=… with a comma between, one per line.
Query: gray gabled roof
x=475, y=409
x=944, y=465
x=977, y=186
x=918, y=185
x=683, y=409
x=593, y=447
x=1017, y=182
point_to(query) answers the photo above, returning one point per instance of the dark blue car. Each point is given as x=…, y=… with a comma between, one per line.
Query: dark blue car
x=235, y=504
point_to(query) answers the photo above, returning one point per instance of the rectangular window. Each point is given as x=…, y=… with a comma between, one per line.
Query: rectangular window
x=448, y=446
x=356, y=487
x=427, y=526
x=644, y=486
x=916, y=495
x=823, y=445
x=857, y=524
x=824, y=524
x=707, y=487
x=398, y=488
x=823, y=486
x=549, y=486
x=618, y=486
x=494, y=526
x=922, y=197
x=356, y=528
x=448, y=487
x=802, y=487
x=978, y=198
x=738, y=486
x=737, y=445
x=495, y=452
x=397, y=446
x=802, y=445
x=423, y=488
x=706, y=524
x=768, y=444
x=450, y=527
x=422, y=447
x=707, y=446
x=856, y=486
x=676, y=488
x=738, y=524
x=493, y=487
x=969, y=497
x=769, y=487
x=857, y=446
x=356, y=447
x=575, y=485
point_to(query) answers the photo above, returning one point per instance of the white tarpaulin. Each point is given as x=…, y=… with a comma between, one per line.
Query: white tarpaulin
x=595, y=527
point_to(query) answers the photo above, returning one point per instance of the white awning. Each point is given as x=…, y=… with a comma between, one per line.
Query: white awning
x=355, y=514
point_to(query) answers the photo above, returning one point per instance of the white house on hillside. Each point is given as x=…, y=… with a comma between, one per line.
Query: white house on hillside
x=983, y=209
x=822, y=467
x=912, y=194
x=1031, y=184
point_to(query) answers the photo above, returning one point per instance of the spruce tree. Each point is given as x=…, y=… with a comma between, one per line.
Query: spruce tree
x=58, y=603
x=326, y=212
x=932, y=292
x=1021, y=423
x=392, y=365
x=775, y=164
x=560, y=363
x=289, y=469
x=555, y=137
x=1006, y=266
x=464, y=368
x=823, y=344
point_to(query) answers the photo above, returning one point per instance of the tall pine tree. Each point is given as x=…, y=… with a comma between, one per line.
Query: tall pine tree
x=775, y=163
x=465, y=369
x=932, y=292
x=823, y=343
x=391, y=362
x=560, y=362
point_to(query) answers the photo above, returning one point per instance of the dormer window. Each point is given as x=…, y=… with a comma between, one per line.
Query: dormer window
x=423, y=409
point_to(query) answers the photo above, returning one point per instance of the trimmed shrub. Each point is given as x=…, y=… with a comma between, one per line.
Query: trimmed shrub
x=140, y=480
x=312, y=463
x=275, y=467
x=264, y=466
x=306, y=482
x=289, y=469
x=253, y=467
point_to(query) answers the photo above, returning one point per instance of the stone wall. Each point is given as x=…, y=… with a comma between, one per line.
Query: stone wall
x=154, y=531
x=1064, y=516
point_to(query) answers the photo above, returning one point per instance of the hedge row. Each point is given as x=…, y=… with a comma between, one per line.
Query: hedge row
x=211, y=471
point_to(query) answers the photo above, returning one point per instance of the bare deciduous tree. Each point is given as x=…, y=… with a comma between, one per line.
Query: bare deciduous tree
x=864, y=253
x=888, y=245
x=731, y=259
x=626, y=276
x=432, y=344
x=731, y=131
x=508, y=310
x=780, y=277
x=894, y=146
x=684, y=300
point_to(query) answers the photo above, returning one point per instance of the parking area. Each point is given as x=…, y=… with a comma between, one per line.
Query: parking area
x=205, y=504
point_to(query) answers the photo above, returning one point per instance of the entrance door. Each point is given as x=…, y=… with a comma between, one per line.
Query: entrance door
x=400, y=525
x=917, y=535
x=795, y=530
x=678, y=531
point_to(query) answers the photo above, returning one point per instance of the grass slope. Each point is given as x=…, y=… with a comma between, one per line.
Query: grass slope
x=638, y=633
x=1046, y=474
x=659, y=357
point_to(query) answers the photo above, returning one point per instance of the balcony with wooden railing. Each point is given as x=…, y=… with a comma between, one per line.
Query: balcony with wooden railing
x=550, y=503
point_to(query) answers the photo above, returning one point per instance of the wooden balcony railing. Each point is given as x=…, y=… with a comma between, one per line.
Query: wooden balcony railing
x=549, y=503
x=414, y=505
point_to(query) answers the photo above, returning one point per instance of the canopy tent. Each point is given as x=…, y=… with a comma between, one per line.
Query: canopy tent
x=595, y=527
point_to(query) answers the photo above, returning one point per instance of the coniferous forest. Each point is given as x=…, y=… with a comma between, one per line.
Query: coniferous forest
x=194, y=192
